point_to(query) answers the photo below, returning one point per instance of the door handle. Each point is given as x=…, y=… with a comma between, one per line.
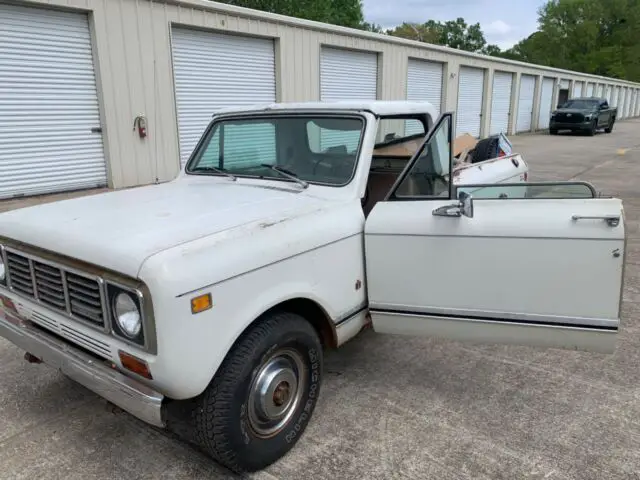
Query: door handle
x=612, y=220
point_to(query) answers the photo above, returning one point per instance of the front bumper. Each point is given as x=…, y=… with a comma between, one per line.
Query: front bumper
x=586, y=125
x=91, y=372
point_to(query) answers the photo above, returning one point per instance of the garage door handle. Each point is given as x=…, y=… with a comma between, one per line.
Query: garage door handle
x=96, y=130
x=612, y=220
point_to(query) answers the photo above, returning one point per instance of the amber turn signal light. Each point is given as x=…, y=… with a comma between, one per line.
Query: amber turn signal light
x=135, y=364
x=201, y=303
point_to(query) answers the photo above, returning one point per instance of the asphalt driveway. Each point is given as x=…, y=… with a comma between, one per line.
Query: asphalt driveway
x=393, y=407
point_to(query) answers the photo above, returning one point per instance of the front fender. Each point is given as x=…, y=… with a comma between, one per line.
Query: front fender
x=191, y=347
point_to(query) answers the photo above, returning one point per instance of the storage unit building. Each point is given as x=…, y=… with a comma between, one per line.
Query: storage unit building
x=470, y=101
x=50, y=126
x=546, y=102
x=500, y=102
x=525, y=103
x=75, y=74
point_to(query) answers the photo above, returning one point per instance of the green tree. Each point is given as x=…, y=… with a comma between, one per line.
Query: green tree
x=452, y=33
x=594, y=36
x=346, y=13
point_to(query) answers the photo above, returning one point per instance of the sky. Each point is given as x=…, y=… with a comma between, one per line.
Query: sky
x=504, y=22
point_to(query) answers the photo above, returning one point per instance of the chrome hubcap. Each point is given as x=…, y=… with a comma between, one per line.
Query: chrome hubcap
x=276, y=392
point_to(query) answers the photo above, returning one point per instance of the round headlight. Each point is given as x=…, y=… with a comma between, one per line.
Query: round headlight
x=127, y=315
x=3, y=270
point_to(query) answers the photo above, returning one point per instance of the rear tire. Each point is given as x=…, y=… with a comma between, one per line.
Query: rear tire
x=609, y=128
x=261, y=399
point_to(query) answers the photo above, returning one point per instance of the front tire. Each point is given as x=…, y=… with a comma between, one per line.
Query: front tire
x=553, y=131
x=262, y=397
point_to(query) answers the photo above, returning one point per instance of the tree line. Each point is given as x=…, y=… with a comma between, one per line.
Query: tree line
x=601, y=37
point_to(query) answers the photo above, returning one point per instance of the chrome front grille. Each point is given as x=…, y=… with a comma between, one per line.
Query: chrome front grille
x=20, y=272
x=78, y=295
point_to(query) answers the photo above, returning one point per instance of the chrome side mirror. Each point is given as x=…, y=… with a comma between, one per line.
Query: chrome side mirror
x=463, y=207
x=466, y=204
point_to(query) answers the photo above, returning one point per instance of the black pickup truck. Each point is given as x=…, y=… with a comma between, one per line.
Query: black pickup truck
x=584, y=115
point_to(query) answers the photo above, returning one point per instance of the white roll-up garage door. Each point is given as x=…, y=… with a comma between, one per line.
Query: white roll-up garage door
x=577, y=89
x=601, y=91
x=525, y=103
x=589, y=90
x=424, y=82
x=214, y=71
x=50, y=137
x=623, y=102
x=348, y=75
x=610, y=95
x=546, y=103
x=500, y=102
x=615, y=99
x=470, y=97
x=345, y=75
x=564, y=84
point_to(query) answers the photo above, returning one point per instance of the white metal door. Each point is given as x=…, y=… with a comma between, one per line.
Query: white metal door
x=577, y=89
x=348, y=75
x=424, y=82
x=500, y=102
x=564, y=84
x=470, y=99
x=610, y=95
x=419, y=244
x=624, y=102
x=590, y=90
x=546, y=103
x=525, y=103
x=615, y=101
x=345, y=75
x=50, y=135
x=636, y=103
x=214, y=71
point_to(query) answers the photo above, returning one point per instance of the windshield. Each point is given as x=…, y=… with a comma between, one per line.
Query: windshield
x=580, y=104
x=316, y=149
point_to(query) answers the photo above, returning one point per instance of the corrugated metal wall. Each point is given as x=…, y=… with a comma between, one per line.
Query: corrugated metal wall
x=132, y=50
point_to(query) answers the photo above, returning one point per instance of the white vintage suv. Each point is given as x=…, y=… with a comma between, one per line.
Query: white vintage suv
x=203, y=305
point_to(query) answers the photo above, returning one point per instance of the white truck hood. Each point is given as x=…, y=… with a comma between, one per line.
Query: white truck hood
x=120, y=230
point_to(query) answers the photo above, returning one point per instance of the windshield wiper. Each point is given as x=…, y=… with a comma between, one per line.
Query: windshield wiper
x=214, y=169
x=286, y=173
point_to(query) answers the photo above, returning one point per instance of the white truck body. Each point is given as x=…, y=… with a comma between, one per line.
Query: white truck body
x=543, y=271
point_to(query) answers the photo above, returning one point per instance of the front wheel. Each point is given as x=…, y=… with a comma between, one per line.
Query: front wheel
x=592, y=129
x=262, y=397
x=553, y=131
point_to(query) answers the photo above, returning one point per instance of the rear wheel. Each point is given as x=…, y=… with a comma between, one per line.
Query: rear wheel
x=262, y=397
x=609, y=128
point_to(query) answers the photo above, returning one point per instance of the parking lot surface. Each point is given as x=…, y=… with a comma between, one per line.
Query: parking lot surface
x=393, y=407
